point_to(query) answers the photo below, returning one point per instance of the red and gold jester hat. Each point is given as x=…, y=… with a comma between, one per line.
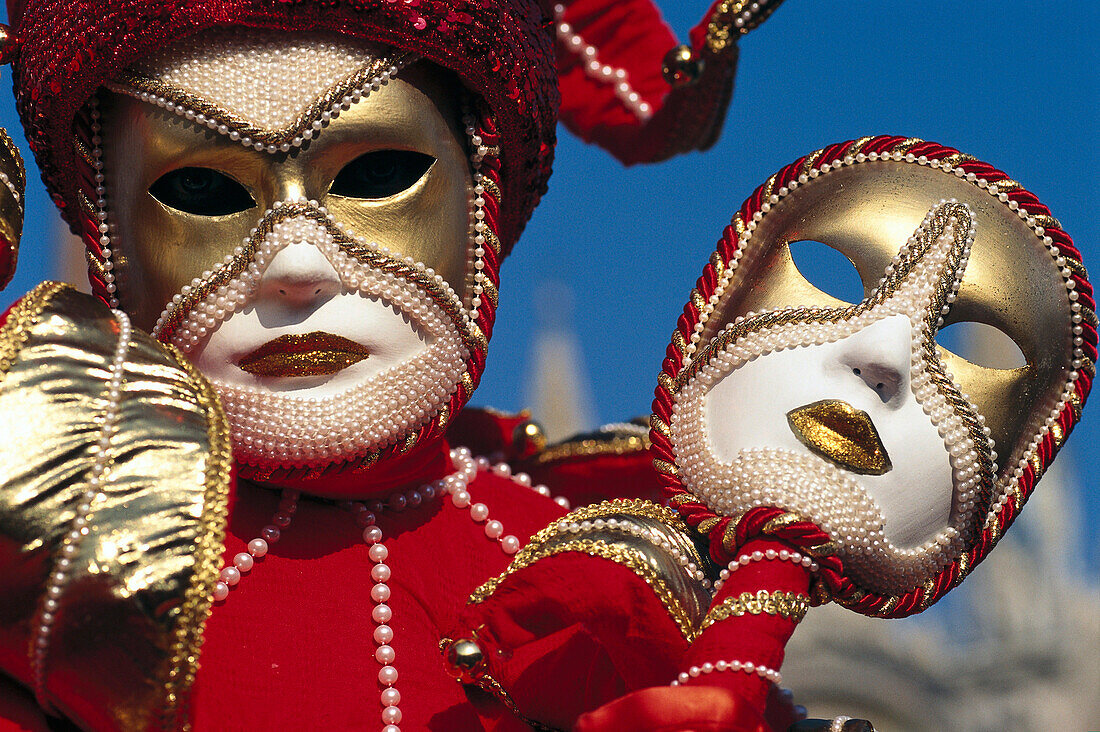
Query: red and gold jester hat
x=626, y=84
x=986, y=251
x=627, y=87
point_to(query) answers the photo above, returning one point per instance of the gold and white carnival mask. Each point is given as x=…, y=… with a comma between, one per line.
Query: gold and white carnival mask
x=851, y=414
x=297, y=214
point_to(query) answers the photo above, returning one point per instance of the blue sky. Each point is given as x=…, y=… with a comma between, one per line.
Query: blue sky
x=1013, y=83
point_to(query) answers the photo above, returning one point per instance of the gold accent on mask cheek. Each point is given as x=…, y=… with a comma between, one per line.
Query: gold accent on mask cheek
x=1010, y=282
x=839, y=432
x=167, y=249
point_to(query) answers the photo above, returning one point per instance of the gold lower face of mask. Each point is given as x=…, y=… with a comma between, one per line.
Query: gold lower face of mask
x=160, y=248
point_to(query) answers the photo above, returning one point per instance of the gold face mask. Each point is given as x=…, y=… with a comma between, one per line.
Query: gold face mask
x=391, y=169
x=302, y=213
x=758, y=334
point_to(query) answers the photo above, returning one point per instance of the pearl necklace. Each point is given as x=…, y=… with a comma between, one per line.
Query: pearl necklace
x=366, y=516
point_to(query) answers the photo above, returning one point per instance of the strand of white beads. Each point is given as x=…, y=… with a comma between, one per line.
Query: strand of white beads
x=455, y=485
x=599, y=71
x=747, y=666
x=479, y=512
x=478, y=152
x=12, y=189
x=838, y=723
x=108, y=271
x=768, y=555
x=78, y=528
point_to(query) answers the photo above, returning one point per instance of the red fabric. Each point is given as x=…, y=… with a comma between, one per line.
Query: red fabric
x=19, y=711
x=665, y=709
x=585, y=480
x=759, y=639
x=573, y=632
x=487, y=432
x=292, y=646
x=631, y=35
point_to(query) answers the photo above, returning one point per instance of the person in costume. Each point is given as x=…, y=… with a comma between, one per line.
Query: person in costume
x=294, y=215
x=811, y=450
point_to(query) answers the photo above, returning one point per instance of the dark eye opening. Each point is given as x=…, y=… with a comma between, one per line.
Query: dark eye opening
x=827, y=269
x=201, y=191
x=381, y=174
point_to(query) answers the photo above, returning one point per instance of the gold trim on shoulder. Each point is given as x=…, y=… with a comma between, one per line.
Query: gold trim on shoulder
x=633, y=534
x=143, y=574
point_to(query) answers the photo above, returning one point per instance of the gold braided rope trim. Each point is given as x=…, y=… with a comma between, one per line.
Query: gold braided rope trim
x=790, y=605
x=723, y=28
x=21, y=319
x=592, y=447
x=601, y=549
x=133, y=84
x=199, y=595
x=472, y=337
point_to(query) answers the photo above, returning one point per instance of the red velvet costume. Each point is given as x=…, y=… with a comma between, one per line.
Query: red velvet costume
x=292, y=647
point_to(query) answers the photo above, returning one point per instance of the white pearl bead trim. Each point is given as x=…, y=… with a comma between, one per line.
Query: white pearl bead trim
x=838, y=723
x=690, y=568
x=270, y=80
x=108, y=273
x=78, y=527
x=768, y=555
x=6, y=180
x=598, y=71
x=478, y=152
x=747, y=666
x=1009, y=480
x=809, y=485
x=271, y=428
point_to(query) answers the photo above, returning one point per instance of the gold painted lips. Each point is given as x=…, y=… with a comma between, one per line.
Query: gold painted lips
x=309, y=354
x=841, y=433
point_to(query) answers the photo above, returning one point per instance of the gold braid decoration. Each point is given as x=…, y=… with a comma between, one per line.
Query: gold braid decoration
x=734, y=18
x=21, y=319
x=198, y=597
x=790, y=605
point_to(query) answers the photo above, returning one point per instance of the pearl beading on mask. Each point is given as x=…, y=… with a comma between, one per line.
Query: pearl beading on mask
x=108, y=266
x=748, y=667
x=454, y=485
x=1019, y=457
x=812, y=486
x=279, y=429
x=598, y=71
x=79, y=527
x=261, y=81
x=478, y=152
x=768, y=555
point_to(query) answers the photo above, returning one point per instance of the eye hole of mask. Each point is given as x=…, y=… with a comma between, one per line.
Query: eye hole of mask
x=981, y=344
x=201, y=191
x=381, y=174
x=827, y=269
